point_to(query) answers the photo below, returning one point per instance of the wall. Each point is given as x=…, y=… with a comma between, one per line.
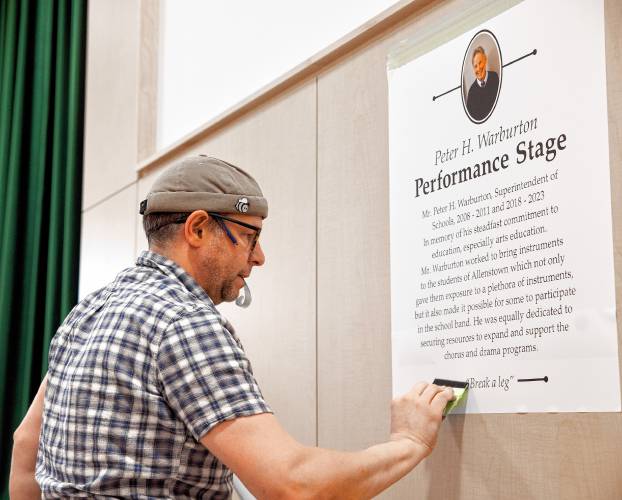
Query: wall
x=248, y=51
x=319, y=330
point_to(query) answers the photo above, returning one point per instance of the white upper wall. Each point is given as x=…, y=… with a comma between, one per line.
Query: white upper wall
x=214, y=54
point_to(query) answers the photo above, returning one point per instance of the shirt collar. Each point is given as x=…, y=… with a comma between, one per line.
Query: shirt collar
x=479, y=82
x=172, y=269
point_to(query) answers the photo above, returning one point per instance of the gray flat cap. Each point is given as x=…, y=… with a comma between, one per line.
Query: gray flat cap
x=205, y=183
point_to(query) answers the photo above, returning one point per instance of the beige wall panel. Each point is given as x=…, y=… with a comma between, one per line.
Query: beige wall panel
x=111, y=134
x=277, y=145
x=354, y=372
x=536, y=456
x=107, y=240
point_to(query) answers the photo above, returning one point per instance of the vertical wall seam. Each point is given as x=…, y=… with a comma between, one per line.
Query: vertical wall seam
x=317, y=352
x=135, y=228
x=148, y=84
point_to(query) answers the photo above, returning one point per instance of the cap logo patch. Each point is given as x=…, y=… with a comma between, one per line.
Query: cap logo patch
x=242, y=205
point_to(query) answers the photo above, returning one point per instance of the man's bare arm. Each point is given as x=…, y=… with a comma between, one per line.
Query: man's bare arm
x=273, y=465
x=22, y=483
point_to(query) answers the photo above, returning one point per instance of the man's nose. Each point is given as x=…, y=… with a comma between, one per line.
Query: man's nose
x=257, y=256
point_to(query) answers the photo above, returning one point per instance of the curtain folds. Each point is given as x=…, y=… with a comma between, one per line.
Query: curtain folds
x=42, y=58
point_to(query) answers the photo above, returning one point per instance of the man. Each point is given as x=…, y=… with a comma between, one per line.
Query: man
x=149, y=392
x=483, y=91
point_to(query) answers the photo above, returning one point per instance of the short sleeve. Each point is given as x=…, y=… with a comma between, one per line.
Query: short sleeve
x=205, y=375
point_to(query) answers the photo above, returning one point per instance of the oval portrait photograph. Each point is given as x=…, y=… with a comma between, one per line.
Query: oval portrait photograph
x=481, y=76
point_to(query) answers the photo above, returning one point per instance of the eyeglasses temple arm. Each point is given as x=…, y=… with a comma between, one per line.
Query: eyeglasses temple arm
x=226, y=230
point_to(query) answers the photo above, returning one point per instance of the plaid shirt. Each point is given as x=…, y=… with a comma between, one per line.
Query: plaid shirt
x=138, y=372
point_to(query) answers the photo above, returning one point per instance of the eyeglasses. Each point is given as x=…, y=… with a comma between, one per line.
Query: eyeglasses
x=253, y=239
x=252, y=242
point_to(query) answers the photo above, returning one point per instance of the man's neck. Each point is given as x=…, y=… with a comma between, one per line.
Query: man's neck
x=179, y=258
x=180, y=255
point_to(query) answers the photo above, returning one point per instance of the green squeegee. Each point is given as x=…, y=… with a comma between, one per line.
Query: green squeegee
x=460, y=392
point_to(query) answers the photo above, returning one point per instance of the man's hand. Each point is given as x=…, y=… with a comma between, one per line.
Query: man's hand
x=417, y=414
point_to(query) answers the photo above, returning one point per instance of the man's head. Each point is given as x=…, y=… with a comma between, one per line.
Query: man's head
x=479, y=62
x=206, y=215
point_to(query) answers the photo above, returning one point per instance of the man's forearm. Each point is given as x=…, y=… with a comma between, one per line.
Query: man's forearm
x=22, y=483
x=272, y=464
x=23, y=486
x=362, y=474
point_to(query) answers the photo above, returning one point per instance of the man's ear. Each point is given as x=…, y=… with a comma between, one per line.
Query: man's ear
x=195, y=228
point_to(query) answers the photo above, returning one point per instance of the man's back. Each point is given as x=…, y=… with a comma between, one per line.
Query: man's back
x=138, y=372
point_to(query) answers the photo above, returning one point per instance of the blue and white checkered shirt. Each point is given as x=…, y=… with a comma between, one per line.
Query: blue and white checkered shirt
x=138, y=372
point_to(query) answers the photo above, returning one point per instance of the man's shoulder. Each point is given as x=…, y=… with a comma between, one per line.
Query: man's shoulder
x=146, y=288
x=493, y=77
x=474, y=87
x=140, y=294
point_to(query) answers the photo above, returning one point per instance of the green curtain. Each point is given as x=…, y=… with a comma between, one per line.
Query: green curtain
x=42, y=54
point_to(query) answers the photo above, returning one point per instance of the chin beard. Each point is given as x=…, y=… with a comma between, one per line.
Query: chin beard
x=229, y=291
x=217, y=283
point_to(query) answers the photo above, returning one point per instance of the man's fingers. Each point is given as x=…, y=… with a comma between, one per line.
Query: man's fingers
x=431, y=391
x=418, y=389
x=441, y=399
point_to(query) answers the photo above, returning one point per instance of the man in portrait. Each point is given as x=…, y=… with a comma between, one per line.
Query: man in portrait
x=483, y=91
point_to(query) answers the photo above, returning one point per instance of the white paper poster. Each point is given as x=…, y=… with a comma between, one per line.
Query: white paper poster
x=501, y=242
